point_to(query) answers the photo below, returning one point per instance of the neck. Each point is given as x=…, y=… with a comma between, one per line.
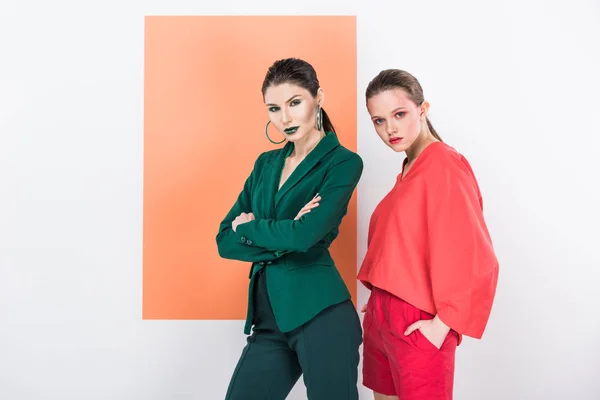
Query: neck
x=305, y=145
x=417, y=147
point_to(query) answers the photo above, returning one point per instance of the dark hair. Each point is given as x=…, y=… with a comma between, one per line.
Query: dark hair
x=297, y=72
x=397, y=79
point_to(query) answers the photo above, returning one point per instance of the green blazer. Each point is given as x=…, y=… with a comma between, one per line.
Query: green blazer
x=302, y=279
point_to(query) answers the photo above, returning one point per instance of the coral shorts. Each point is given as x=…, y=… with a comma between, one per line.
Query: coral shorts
x=409, y=367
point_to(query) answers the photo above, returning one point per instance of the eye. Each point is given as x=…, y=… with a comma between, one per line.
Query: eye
x=295, y=102
x=400, y=114
x=273, y=109
x=378, y=121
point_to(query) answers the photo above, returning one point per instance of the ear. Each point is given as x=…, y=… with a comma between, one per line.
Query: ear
x=424, y=109
x=320, y=97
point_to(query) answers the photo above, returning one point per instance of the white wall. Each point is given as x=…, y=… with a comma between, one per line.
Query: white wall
x=513, y=85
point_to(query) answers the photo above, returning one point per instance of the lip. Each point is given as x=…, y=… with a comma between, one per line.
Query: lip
x=395, y=140
x=291, y=130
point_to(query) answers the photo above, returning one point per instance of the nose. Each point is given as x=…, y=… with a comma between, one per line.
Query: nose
x=285, y=116
x=390, y=128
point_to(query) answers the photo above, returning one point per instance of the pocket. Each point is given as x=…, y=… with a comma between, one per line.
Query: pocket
x=425, y=343
x=424, y=316
x=412, y=314
x=367, y=319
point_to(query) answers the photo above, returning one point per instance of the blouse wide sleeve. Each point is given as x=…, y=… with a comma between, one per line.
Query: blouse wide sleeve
x=463, y=265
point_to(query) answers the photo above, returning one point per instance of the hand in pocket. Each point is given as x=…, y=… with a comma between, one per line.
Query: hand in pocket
x=434, y=330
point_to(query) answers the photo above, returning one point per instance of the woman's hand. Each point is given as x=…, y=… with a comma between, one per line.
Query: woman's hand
x=242, y=219
x=314, y=203
x=434, y=330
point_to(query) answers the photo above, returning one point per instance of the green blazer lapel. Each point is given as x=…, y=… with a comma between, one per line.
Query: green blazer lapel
x=272, y=176
x=327, y=144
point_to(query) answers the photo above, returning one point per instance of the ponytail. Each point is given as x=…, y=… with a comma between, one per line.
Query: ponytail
x=433, y=132
x=327, y=125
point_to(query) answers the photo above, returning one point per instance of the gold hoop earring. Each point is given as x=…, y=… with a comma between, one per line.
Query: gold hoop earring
x=319, y=118
x=267, y=134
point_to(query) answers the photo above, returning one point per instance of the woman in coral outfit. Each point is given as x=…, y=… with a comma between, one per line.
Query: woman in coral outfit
x=430, y=263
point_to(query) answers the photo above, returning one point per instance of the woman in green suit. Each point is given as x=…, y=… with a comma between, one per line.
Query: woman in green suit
x=284, y=220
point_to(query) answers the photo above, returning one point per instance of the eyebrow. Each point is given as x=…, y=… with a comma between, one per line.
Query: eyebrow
x=393, y=112
x=290, y=99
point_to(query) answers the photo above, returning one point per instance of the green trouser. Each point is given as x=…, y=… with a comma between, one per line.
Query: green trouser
x=324, y=350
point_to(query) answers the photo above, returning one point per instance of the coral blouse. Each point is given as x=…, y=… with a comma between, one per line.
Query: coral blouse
x=429, y=244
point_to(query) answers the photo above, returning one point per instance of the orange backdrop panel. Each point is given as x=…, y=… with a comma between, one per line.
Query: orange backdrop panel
x=204, y=121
